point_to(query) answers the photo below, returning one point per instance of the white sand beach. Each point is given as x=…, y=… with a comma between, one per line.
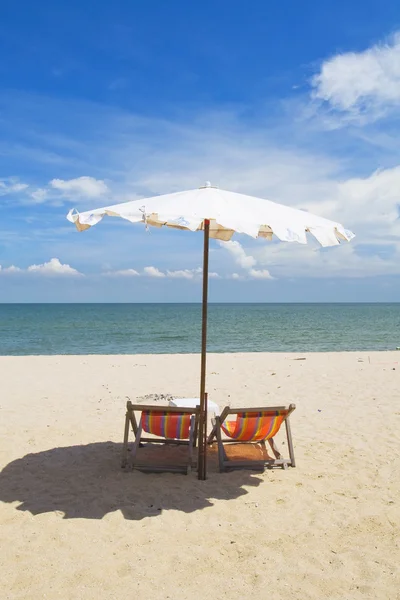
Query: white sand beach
x=75, y=526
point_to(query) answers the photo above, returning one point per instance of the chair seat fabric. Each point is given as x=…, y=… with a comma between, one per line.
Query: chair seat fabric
x=167, y=425
x=252, y=427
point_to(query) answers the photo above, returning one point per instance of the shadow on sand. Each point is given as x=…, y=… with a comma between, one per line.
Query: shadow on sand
x=87, y=482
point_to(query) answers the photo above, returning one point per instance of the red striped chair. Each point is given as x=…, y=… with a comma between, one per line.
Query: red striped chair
x=252, y=425
x=168, y=425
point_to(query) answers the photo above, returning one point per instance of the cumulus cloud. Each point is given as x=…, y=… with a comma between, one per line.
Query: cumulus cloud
x=153, y=272
x=53, y=267
x=361, y=82
x=85, y=186
x=260, y=274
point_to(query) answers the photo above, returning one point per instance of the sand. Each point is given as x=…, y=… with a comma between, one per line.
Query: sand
x=74, y=526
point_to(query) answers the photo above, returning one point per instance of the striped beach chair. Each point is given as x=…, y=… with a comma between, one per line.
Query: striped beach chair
x=167, y=425
x=253, y=425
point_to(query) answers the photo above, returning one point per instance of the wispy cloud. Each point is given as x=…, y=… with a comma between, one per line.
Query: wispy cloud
x=39, y=195
x=182, y=274
x=241, y=258
x=189, y=274
x=122, y=273
x=244, y=260
x=347, y=261
x=11, y=269
x=11, y=186
x=85, y=186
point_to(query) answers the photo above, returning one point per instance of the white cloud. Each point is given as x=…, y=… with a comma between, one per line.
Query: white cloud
x=234, y=276
x=39, y=195
x=178, y=274
x=11, y=269
x=190, y=274
x=369, y=205
x=244, y=260
x=10, y=186
x=88, y=187
x=260, y=274
x=53, y=267
x=241, y=258
x=153, y=272
x=183, y=274
x=361, y=82
x=122, y=273
x=346, y=261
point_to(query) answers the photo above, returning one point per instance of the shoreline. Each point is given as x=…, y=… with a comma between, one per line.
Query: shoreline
x=197, y=354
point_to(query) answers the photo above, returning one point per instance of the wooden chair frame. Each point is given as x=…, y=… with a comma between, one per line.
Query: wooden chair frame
x=279, y=461
x=130, y=421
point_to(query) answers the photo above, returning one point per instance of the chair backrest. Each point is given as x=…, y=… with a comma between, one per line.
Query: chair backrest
x=254, y=426
x=167, y=424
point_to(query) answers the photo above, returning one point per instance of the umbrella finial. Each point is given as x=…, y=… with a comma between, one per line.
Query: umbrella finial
x=207, y=185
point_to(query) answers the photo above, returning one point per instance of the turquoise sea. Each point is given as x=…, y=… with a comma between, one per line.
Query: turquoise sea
x=175, y=328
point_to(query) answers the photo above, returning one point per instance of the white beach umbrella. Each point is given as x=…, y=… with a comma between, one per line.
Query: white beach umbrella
x=219, y=214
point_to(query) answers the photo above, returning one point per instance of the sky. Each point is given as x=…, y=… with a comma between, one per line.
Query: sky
x=104, y=102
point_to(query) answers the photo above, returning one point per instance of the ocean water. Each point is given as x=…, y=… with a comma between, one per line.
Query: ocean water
x=27, y=329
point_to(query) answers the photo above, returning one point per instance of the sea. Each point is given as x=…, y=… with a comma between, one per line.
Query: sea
x=53, y=329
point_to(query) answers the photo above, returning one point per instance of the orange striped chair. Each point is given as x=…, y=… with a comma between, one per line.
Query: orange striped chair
x=253, y=425
x=167, y=425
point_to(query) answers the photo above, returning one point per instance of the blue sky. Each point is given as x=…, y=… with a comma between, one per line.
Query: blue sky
x=105, y=102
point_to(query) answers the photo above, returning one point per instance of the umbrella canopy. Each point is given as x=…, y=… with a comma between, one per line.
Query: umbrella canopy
x=219, y=214
x=228, y=212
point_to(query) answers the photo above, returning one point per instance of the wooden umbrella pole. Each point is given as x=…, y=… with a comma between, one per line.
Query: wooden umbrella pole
x=202, y=471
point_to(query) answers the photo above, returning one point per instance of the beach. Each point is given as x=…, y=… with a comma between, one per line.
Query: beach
x=75, y=526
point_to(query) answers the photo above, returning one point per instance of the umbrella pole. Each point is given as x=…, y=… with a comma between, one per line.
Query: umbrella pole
x=202, y=468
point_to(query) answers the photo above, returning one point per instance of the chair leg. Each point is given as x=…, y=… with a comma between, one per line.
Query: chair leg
x=213, y=431
x=263, y=446
x=274, y=448
x=196, y=431
x=133, y=422
x=222, y=458
x=135, y=447
x=191, y=441
x=290, y=442
x=125, y=445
